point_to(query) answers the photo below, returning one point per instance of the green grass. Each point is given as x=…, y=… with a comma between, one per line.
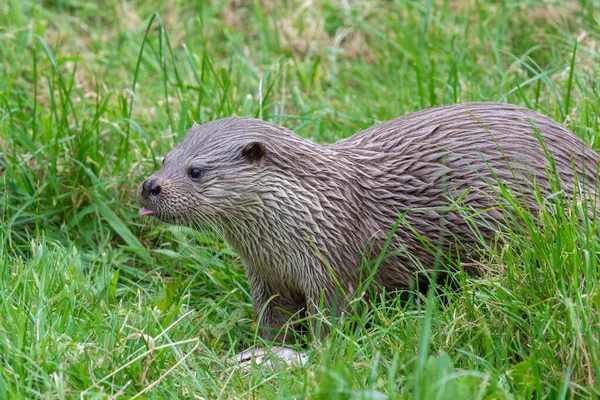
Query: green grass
x=95, y=300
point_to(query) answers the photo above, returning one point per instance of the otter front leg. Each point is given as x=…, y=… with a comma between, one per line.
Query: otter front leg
x=271, y=314
x=271, y=310
x=325, y=301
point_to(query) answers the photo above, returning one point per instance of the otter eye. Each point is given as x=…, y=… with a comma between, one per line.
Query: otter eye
x=195, y=173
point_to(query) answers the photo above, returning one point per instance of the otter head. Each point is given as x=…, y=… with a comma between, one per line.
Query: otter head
x=213, y=175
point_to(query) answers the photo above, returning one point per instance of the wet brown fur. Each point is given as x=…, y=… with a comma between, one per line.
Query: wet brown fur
x=291, y=208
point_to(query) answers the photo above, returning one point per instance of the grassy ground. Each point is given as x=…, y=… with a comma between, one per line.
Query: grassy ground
x=94, y=299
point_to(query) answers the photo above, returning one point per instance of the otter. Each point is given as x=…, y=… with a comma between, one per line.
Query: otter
x=307, y=218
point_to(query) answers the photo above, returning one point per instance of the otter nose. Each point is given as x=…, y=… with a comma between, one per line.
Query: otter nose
x=150, y=187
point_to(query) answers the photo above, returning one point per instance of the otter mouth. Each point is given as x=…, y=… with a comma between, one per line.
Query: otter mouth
x=169, y=219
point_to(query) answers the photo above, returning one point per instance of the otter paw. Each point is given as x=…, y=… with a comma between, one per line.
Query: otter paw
x=270, y=358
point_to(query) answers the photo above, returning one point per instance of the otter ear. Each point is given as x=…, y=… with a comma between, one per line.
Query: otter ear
x=254, y=151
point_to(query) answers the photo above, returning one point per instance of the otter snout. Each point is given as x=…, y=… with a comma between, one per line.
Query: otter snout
x=148, y=195
x=150, y=188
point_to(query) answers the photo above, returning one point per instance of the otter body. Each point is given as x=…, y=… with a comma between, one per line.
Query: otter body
x=296, y=211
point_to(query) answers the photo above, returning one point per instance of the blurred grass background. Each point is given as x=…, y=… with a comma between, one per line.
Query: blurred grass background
x=94, y=299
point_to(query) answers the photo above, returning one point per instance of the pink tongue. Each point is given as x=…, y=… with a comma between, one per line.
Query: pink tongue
x=145, y=211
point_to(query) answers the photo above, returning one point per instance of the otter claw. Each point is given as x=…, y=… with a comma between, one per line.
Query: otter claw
x=268, y=358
